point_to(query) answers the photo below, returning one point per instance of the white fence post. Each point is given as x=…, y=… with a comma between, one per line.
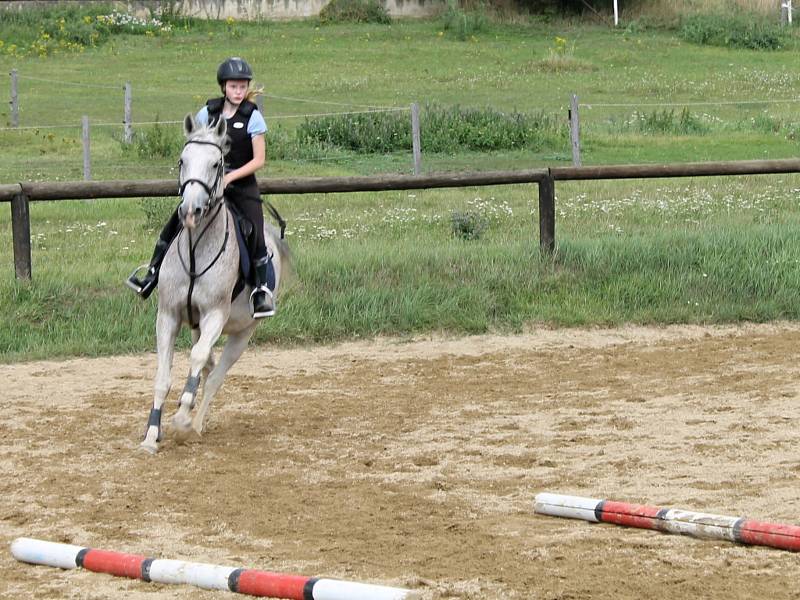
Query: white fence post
x=575, y=130
x=14, y=99
x=786, y=12
x=616, y=13
x=87, y=171
x=415, y=141
x=128, y=115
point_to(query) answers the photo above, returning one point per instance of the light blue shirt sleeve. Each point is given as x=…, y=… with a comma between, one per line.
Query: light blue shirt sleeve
x=257, y=125
x=202, y=116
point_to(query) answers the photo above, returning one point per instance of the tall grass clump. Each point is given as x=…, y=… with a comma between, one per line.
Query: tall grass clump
x=667, y=122
x=561, y=58
x=738, y=29
x=354, y=11
x=464, y=24
x=442, y=129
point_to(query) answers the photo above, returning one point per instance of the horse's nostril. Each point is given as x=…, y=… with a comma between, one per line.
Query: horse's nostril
x=197, y=211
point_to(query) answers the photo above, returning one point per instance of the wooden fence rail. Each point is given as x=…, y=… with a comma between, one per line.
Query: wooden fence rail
x=20, y=194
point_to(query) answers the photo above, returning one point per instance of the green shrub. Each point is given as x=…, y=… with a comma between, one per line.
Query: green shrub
x=159, y=141
x=442, y=129
x=463, y=24
x=737, y=30
x=468, y=225
x=354, y=11
x=364, y=132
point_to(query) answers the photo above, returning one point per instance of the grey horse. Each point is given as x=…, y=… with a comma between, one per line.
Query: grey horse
x=196, y=284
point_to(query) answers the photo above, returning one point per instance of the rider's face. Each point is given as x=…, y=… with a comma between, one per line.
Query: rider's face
x=236, y=90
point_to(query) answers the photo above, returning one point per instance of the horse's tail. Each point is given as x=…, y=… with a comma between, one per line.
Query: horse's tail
x=281, y=245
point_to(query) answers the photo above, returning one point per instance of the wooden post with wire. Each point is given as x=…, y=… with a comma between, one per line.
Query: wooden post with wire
x=575, y=130
x=14, y=98
x=415, y=141
x=128, y=115
x=87, y=167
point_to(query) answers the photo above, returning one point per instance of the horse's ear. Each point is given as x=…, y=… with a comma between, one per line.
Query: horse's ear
x=221, y=128
x=189, y=124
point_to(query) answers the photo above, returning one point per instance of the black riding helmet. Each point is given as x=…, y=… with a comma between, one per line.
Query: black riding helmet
x=234, y=68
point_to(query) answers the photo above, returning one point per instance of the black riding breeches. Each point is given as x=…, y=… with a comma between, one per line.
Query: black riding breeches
x=247, y=199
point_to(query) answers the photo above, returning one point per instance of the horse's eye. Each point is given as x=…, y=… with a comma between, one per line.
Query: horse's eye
x=180, y=163
x=216, y=165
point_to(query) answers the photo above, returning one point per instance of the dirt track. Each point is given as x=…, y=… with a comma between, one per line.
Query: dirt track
x=416, y=463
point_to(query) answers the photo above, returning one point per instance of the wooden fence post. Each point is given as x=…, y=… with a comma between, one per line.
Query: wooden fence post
x=415, y=141
x=87, y=167
x=14, y=99
x=575, y=130
x=21, y=235
x=547, y=215
x=128, y=114
x=786, y=12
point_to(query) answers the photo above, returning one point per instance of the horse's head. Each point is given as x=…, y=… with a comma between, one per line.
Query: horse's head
x=201, y=169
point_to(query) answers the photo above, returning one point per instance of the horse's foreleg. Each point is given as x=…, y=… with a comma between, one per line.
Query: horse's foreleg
x=210, y=363
x=166, y=332
x=236, y=344
x=210, y=330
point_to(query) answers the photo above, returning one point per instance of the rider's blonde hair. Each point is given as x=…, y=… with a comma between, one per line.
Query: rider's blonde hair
x=254, y=92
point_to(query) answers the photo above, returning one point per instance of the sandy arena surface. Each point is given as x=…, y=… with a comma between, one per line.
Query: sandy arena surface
x=415, y=464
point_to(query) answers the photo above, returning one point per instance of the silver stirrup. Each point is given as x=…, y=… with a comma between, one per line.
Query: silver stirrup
x=269, y=313
x=130, y=284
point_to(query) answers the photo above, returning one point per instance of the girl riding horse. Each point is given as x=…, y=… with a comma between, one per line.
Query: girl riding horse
x=247, y=154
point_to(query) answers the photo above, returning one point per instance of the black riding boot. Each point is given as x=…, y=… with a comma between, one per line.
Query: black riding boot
x=262, y=299
x=145, y=285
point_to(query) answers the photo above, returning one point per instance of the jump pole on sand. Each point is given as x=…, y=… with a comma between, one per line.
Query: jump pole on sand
x=671, y=520
x=211, y=577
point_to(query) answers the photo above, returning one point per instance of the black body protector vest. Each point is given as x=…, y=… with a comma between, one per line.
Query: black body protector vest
x=241, y=151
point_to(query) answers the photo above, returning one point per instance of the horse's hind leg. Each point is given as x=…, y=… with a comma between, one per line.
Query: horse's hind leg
x=236, y=344
x=166, y=331
x=210, y=329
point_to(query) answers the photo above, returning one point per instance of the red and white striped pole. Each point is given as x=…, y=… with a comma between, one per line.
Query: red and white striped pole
x=211, y=577
x=671, y=520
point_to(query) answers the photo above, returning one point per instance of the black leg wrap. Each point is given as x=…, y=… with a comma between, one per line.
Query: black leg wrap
x=154, y=421
x=192, y=385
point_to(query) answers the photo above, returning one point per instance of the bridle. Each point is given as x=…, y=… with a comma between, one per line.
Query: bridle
x=209, y=189
x=191, y=269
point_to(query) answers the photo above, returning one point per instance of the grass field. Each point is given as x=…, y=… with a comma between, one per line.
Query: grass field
x=704, y=250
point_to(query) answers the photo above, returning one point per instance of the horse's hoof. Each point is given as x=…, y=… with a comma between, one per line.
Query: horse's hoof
x=149, y=447
x=181, y=423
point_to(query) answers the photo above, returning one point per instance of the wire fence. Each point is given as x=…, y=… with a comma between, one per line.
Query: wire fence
x=123, y=129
